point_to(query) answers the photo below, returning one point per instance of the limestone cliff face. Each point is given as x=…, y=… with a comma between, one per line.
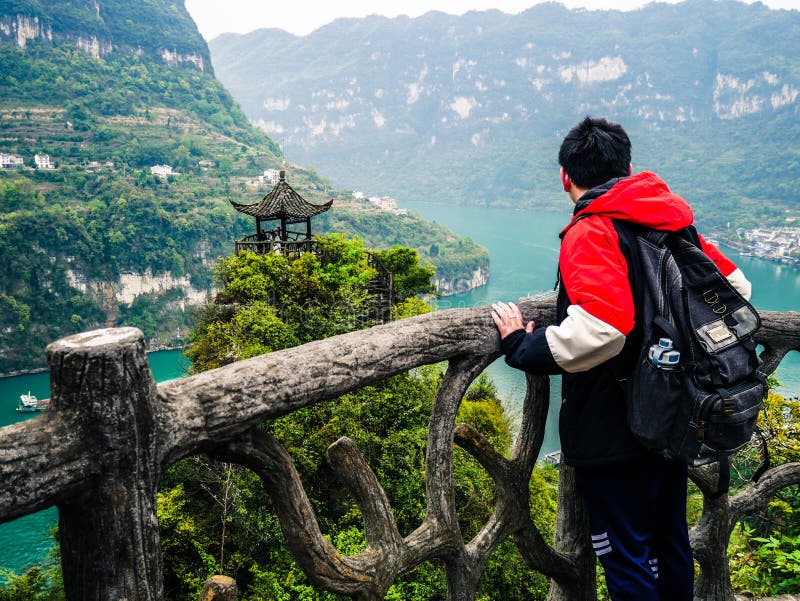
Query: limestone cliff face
x=162, y=29
x=471, y=108
x=20, y=29
x=131, y=285
x=460, y=285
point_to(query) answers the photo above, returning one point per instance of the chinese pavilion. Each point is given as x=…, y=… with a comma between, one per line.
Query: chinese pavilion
x=284, y=205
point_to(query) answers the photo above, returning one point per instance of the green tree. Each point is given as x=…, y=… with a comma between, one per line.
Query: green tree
x=268, y=302
x=763, y=550
x=410, y=277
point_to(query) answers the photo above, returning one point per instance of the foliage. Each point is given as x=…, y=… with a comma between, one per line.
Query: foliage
x=764, y=566
x=182, y=536
x=410, y=307
x=39, y=583
x=409, y=277
x=764, y=550
x=387, y=421
x=279, y=301
x=452, y=255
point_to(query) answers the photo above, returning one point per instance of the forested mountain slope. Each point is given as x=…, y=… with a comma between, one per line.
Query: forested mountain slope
x=471, y=109
x=107, y=89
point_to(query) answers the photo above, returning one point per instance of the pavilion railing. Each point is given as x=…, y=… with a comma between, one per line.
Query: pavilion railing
x=99, y=452
x=266, y=246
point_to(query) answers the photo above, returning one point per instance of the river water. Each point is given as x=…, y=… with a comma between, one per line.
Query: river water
x=26, y=541
x=523, y=247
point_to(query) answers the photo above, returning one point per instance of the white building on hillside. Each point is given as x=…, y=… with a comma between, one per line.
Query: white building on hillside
x=9, y=161
x=387, y=203
x=43, y=161
x=162, y=170
x=271, y=177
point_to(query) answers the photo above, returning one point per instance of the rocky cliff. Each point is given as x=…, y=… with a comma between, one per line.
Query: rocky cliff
x=471, y=108
x=161, y=29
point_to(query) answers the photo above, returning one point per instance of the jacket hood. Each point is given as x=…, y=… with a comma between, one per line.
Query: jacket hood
x=643, y=199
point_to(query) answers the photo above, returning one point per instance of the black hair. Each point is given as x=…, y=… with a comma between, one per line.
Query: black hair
x=595, y=151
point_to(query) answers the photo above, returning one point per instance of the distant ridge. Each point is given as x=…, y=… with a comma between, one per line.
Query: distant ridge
x=470, y=109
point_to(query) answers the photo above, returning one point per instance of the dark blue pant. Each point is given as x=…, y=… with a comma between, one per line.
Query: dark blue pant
x=637, y=513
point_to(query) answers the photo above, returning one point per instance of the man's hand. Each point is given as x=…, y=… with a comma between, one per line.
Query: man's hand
x=508, y=318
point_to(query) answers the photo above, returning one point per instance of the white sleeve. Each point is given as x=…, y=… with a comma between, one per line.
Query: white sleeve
x=741, y=283
x=582, y=341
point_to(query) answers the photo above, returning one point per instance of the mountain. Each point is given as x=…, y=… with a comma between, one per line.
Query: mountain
x=93, y=95
x=472, y=108
x=156, y=28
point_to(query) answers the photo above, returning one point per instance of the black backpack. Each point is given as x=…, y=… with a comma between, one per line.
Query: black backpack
x=701, y=405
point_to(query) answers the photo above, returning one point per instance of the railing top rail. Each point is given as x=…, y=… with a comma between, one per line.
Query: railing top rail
x=111, y=431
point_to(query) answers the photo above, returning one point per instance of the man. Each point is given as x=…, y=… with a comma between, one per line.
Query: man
x=636, y=501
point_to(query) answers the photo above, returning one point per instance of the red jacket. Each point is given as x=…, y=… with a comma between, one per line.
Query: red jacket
x=596, y=312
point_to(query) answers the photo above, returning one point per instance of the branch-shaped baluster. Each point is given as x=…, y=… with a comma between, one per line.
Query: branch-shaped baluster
x=779, y=334
x=368, y=575
x=317, y=557
x=772, y=355
x=441, y=515
x=756, y=496
x=512, y=511
x=380, y=528
x=711, y=534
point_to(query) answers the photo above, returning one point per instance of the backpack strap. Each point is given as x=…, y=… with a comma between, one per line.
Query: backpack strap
x=668, y=328
x=765, y=452
x=724, y=480
x=656, y=237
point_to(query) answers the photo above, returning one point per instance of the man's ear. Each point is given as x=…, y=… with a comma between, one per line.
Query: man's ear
x=565, y=181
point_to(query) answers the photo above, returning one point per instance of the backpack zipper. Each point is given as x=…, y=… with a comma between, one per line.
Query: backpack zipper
x=702, y=415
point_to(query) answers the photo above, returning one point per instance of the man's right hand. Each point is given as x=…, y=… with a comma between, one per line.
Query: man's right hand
x=508, y=319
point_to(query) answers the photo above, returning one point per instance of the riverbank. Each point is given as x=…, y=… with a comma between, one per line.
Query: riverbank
x=746, y=249
x=24, y=372
x=155, y=348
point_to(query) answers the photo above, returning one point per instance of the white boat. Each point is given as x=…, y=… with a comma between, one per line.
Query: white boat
x=29, y=403
x=553, y=458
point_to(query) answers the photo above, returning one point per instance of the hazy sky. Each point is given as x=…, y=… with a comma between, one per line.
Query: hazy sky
x=301, y=17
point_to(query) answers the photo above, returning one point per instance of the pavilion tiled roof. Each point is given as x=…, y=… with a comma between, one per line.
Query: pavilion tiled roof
x=282, y=202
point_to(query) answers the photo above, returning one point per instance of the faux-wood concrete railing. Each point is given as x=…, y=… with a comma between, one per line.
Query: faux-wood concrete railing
x=99, y=452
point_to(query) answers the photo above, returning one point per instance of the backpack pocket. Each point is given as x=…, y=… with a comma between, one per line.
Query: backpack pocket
x=727, y=351
x=734, y=363
x=725, y=364
x=723, y=421
x=653, y=398
x=733, y=418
